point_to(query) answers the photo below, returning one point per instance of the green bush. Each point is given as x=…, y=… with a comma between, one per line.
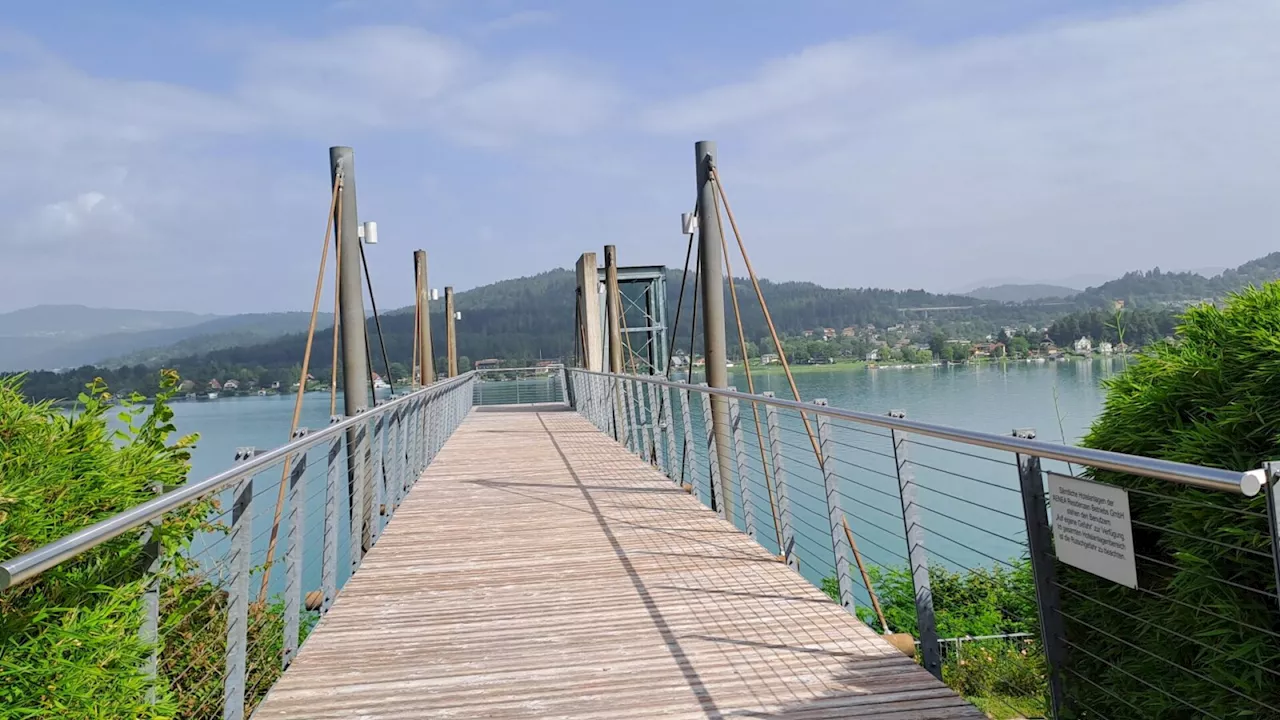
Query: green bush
x=1210, y=397
x=69, y=639
x=983, y=601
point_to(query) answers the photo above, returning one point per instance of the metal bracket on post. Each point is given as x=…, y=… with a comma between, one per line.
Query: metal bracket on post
x=720, y=503
x=917, y=556
x=293, y=554
x=1040, y=545
x=740, y=455
x=835, y=513
x=780, y=482
x=241, y=541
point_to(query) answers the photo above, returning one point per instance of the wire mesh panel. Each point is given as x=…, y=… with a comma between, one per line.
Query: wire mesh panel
x=221, y=579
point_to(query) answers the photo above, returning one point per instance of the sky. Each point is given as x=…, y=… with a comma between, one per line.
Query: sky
x=175, y=155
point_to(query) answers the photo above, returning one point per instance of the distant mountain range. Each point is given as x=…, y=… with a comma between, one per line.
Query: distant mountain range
x=59, y=336
x=532, y=317
x=1013, y=293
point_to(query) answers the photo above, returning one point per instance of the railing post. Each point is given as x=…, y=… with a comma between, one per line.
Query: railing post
x=149, y=632
x=379, y=487
x=917, y=556
x=1272, y=471
x=394, y=454
x=241, y=541
x=668, y=422
x=633, y=435
x=355, y=549
x=686, y=447
x=835, y=513
x=618, y=412
x=780, y=482
x=293, y=554
x=605, y=407
x=329, y=555
x=645, y=418
x=720, y=499
x=655, y=419
x=740, y=454
x=1040, y=546
x=424, y=433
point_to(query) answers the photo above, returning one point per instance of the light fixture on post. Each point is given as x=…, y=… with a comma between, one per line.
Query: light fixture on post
x=688, y=223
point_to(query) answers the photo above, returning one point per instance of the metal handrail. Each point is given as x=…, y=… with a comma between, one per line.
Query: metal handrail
x=1247, y=483
x=30, y=564
x=547, y=368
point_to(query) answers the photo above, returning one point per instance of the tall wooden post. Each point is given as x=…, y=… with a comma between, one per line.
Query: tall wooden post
x=451, y=332
x=592, y=345
x=613, y=308
x=427, y=367
x=710, y=254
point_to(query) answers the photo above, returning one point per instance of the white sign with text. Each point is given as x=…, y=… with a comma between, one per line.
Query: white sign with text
x=1092, y=529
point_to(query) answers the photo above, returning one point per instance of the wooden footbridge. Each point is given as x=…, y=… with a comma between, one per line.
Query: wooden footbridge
x=539, y=569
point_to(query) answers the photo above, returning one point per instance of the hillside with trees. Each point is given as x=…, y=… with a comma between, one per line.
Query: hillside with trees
x=524, y=319
x=1154, y=287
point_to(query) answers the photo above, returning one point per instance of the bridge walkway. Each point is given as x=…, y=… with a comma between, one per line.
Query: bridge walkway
x=538, y=569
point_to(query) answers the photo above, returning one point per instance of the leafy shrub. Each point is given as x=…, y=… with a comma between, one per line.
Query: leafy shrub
x=983, y=601
x=1210, y=397
x=69, y=639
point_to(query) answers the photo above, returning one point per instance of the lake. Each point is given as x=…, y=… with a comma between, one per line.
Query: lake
x=970, y=502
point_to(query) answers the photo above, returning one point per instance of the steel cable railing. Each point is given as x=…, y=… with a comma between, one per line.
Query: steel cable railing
x=956, y=528
x=190, y=562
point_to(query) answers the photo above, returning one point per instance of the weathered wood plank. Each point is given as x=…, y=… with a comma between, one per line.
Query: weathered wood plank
x=538, y=569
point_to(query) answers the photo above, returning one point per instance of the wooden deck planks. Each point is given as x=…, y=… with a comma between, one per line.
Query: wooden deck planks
x=539, y=570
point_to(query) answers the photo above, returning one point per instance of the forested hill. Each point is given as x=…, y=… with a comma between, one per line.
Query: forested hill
x=532, y=317
x=1153, y=286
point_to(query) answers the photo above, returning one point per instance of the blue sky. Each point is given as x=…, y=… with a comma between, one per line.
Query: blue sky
x=166, y=156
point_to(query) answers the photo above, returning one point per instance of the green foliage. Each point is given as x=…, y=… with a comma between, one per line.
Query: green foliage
x=984, y=601
x=70, y=644
x=1210, y=398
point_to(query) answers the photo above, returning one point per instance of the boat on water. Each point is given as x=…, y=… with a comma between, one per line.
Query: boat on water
x=212, y=396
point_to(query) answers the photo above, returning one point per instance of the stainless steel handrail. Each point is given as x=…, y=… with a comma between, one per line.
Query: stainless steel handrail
x=1246, y=483
x=28, y=565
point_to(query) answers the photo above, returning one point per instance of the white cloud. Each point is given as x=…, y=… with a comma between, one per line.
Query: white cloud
x=405, y=78
x=1124, y=141
x=198, y=184
x=519, y=21
x=84, y=212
